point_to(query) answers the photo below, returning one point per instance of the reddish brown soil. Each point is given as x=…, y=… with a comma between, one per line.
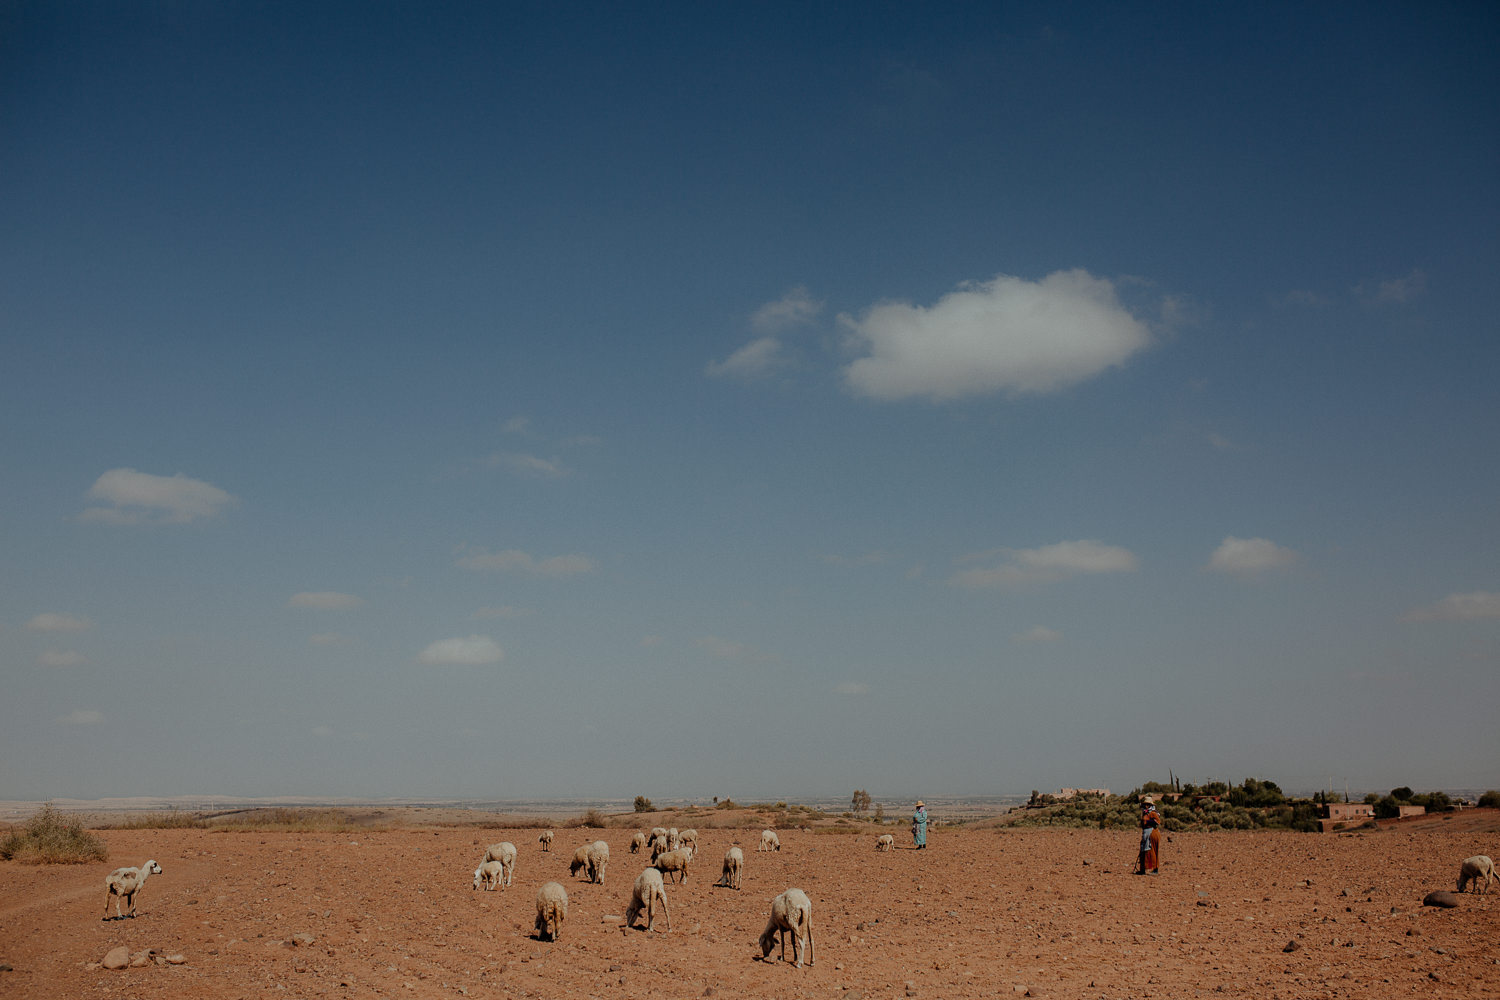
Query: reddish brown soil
x=981, y=913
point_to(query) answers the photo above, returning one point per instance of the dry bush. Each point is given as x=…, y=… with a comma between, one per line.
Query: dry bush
x=51, y=838
x=172, y=819
x=592, y=817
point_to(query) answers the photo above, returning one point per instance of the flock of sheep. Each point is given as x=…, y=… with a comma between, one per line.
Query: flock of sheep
x=671, y=855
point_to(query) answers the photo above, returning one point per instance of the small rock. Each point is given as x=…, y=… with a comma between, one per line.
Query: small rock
x=5, y=967
x=614, y=968
x=117, y=958
x=1441, y=897
x=177, y=958
x=141, y=959
x=303, y=940
x=1293, y=945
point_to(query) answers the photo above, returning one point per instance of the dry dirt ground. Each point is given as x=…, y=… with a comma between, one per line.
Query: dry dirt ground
x=981, y=913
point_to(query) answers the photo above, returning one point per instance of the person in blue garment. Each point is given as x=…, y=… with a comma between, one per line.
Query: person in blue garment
x=919, y=826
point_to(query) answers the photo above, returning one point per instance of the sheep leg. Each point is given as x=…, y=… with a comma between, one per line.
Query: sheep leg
x=666, y=912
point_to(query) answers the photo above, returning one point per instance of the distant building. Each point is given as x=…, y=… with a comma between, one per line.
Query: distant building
x=1070, y=793
x=1337, y=815
x=1411, y=811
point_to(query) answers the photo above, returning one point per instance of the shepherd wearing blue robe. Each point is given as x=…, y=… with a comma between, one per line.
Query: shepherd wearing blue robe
x=919, y=826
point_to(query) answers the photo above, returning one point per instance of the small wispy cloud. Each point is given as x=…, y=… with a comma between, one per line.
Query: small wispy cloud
x=470, y=651
x=1249, y=556
x=1303, y=298
x=142, y=498
x=322, y=732
x=1476, y=605
x=516, y=561
x=651, y=641
x=875, y=558
x=1038, y=633
x=1047, y=564
x=1003, y=335
x=324, y=600
x=796, y=308
x=328, y=639
x=516, y=425
x=757, y=358
x=851, y=688
x=60, y=658
x=504, y=611
x=724, y=649
x=1394, y=291
x=82, y=717
x=522, y=464
x=54, y=622
x=766, y=353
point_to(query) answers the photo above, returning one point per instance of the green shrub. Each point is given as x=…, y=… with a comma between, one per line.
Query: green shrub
x=642, y=804
x=1491, y=799
x=51, y=838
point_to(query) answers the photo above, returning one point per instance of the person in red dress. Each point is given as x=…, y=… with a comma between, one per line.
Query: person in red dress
x=1150, y=837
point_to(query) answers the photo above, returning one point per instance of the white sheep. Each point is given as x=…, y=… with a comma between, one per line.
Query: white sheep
x=688, y=838
x=637, y=841
x=598, y=856
x=734, y=862
x=769, y=841
x=647, y=893
x=674, y=861
x=127, y=882
x=673, y=840
x=545, y=840
x=659, y=845
x=790, y=911
x=489, y=874
x=580, y=860
x=551, y=911
x=885, y=842
x=505, y=853
x=1476, y=868
x=658, y=831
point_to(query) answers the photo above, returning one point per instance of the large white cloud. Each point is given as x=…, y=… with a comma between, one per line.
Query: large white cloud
x=1478, y=605
x=470, y=651
x=141, y=497
x=324, y=600
x=1249, y=556
x=1046, y=564
x=514, y=560
x=1007, y=334
x=54, y=622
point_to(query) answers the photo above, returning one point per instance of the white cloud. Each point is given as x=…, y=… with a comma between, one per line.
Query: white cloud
x=60, y=658
x=1478, y=605
x=52, y=622
x=851, y=688
x=1038, y=633
x=723, y=648
x=516, y=425
x=1007, y=334
x=1047, y=564
x=82, y=717
x=795, y=308
x=514, y=560
x=522, y=464
x=1249, y=556
x=1394, y=290
x=324, y=600
x=754, y=359
x=139, y=497
x=473, y=651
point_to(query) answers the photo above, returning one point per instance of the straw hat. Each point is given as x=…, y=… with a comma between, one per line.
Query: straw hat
x=1147, y=800
x=920, y=803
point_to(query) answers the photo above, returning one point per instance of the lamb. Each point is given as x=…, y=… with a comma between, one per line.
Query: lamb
x=505, y=853
x=674, y=861
x=545, y=840
x=885, y=842
x=647, y=892
x=769, y=841
x=790, y=911
x=489, y=874
x=551, y=911
x=734, y=861
x=1476, y=868
x=637, y=841
x=688, y=838
x=127, y=882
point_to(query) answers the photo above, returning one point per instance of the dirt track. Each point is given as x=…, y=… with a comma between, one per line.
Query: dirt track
x=981, y=913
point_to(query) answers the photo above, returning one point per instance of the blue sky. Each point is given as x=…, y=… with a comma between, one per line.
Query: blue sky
x=506, y=401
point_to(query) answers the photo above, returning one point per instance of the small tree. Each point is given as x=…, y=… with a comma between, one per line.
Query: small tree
x=643, y=804
x=880, y=813
x=861, y=800
x=1490, y=798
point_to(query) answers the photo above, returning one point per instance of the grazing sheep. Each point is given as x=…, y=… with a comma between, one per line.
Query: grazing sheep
x=647, y=893
x=674, y=861
x=598, y=857
x=790, y=911
x=885, y=842
x=1476, y=868
x=769, y=841
x=580, y=860
x=673, y=840
x=489, y=875
x=127, y=882
x=545, y=840
x=505, y=853
x=657, y=831
x=637, y=841
x=734, y=861
x=659, y=845
x=551, y=911
x=688, y=838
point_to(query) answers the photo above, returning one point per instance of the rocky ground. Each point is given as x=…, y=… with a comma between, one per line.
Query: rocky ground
x=981, y=913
